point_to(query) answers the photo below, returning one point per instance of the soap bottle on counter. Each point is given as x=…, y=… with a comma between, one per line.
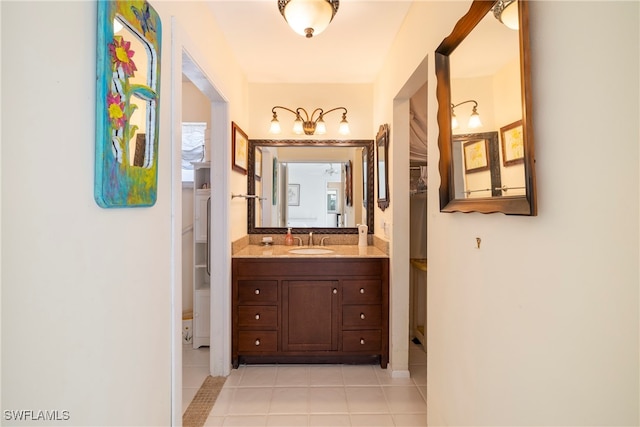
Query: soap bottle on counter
x=288, y=238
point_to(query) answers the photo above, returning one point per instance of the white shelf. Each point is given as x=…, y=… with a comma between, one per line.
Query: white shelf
x=201, y=279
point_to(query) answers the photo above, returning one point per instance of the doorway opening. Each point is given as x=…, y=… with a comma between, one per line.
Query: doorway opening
x=191, y=83
x=410, y=214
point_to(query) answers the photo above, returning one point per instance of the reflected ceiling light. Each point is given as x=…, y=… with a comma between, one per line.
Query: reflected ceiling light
x=474, y=119
x=506, y=11
x=309, y=125
x=308, y=17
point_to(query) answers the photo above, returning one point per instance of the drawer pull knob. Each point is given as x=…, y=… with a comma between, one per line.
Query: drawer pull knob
x=258, y=342
x=257, y=316
x=257, y=291
x=362, y=290
x=361, y=340
x=335, y=291
x=362, y=316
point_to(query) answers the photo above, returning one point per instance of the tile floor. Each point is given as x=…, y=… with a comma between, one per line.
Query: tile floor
x=315, y=395
x=195, y=368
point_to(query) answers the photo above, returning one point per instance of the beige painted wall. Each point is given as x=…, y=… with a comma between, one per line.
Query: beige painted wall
x=539, y=326
x=86, y=292
x=356, y=98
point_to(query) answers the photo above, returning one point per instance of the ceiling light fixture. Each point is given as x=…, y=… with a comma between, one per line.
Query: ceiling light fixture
x=309, y=125
x=474, y=119
x=506, y=11
x=308, y=17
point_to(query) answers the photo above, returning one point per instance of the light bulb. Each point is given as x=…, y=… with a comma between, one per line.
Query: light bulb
x=297, y=126
x=344, y=126
x=474, y=120
x=275, y=126
x=308, y=17
x=321, y=128
x=454, y=121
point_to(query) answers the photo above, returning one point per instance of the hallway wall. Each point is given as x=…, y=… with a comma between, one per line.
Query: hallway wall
x=86, y=291
x=541, y=325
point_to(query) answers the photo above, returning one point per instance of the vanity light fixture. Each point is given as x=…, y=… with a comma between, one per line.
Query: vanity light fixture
x=506, y=11
x=474, y=119
x=309, y=126
x=308, y=17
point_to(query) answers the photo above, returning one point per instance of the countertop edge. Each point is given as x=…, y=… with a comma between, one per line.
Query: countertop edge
x=282, y=252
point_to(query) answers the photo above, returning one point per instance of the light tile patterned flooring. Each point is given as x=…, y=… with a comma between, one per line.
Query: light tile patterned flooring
x=195, y=368
x=317, y=395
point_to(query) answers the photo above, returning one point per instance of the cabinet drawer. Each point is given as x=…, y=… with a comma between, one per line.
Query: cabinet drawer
x=362, y=315
x=361, y=292
x=361, y=340
x=258, y=316
x=257, y=341
x=257, y=291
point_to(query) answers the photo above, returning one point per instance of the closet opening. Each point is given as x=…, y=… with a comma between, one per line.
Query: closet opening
x=418, y=216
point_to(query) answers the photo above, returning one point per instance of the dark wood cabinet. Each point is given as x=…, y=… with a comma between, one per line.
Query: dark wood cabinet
x=311, y=310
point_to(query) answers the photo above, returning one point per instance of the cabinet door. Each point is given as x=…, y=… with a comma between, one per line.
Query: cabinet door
x=201, y=217
x=310, y=315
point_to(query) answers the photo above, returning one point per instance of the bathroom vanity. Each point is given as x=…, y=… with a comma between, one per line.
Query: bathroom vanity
x=329, y=308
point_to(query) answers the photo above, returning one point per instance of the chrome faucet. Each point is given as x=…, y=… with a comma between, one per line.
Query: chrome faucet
x=310, y=238
x=322, y=240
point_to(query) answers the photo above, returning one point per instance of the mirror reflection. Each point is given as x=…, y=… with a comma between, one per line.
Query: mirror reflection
x=320, y=186
x=485, y=90
x=484, y=113
x=382, y=148
x=138, y=151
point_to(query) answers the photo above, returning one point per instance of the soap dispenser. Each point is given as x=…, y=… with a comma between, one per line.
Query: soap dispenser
x=288, y=239
x=362, y=235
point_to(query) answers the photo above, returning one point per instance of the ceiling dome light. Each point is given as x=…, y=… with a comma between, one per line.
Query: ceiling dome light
x=506, y=11
x=308, y=17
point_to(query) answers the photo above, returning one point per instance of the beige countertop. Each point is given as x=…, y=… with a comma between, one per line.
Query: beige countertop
x=281, y=251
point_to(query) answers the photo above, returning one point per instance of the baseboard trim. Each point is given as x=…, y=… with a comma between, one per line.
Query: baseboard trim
x=399, y=374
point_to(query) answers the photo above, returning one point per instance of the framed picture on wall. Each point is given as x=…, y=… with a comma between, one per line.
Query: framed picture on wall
x=258, y=168
x=512, y=144
x=364, y=177
x=475, y=156
x=293, y=195
x=274, y=185
x=239, y=149
x=348, y=183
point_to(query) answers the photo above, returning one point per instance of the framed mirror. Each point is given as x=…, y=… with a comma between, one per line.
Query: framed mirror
x=127, y=104
x=382, y=154
x=484, y=65
x=310, y=186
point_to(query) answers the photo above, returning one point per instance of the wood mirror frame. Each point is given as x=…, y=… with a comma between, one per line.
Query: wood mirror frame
x=382, y=150
x=367, y=178
x=512, y=205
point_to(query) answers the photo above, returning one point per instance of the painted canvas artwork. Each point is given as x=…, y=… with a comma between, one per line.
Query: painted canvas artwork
x=127, y=104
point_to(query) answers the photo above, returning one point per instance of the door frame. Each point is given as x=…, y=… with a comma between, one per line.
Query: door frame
x=184, y=59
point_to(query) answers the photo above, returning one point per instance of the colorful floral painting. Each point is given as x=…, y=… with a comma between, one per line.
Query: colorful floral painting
x=127, y=109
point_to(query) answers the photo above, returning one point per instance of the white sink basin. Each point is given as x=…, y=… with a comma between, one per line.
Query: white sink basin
x=310, y=251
